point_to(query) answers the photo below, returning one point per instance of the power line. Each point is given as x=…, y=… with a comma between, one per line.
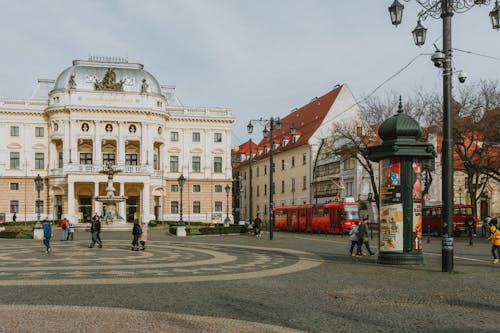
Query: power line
x=478, y=54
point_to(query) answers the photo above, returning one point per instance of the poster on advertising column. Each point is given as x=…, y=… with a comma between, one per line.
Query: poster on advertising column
x=417, y=206
x=391, y=228
x=391, y=207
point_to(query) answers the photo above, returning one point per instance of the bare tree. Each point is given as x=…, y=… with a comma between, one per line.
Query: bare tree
x=350, y=140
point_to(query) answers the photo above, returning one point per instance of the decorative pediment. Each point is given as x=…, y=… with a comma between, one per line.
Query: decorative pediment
x=39, y=146
x=14, y=145
x=174, y=150
x=218, y=151
x=109, y=82
x=196, y=151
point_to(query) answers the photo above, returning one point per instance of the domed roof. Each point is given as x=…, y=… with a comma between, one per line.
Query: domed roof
x=400, y=126
x=117, y=73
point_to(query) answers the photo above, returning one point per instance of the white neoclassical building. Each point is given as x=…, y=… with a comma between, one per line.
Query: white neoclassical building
x=109, y=110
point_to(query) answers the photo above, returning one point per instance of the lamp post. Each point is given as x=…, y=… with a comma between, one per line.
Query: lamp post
x=39, y=187
x=227, y=220
x=250, y=203
x=181, y=180
x=444, y=9
x=269, y=126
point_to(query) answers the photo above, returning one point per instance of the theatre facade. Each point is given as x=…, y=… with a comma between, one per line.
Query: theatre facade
x=104, y=111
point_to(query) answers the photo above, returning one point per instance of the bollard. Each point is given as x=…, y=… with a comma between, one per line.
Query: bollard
x=428, y=234
x=470, y=236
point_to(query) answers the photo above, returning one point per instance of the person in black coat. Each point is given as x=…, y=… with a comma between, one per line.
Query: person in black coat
x=95, y=229
x=136, y=232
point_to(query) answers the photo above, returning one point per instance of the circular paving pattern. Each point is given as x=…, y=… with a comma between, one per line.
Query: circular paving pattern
x=72, y=263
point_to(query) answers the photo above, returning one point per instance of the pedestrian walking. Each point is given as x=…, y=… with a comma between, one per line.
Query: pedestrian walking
x=363, y=237
x=353, y=236
x=136, y=232
x=14, y=217
x=71, y=231
x=495, y=241
x=47, y=235
x=64, y=229
x=95, y=229
x=144, y=236
x=257, y=225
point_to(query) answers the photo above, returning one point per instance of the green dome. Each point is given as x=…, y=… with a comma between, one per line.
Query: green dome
x=400, y=126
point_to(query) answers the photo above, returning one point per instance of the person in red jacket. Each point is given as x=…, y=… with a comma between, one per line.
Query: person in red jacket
x=64, y=229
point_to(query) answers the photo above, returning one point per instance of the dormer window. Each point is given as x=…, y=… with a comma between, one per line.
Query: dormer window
x=284, y=142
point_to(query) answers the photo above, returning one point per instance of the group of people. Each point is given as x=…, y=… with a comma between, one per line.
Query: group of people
x=359, y=236
x=139, y=233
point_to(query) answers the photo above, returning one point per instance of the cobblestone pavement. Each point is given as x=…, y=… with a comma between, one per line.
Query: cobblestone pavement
x=241, y=284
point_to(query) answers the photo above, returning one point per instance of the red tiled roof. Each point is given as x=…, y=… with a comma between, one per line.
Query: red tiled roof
x=244, y=149
x=306, y=120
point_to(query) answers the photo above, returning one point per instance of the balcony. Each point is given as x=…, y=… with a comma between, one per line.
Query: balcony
x=97, y=168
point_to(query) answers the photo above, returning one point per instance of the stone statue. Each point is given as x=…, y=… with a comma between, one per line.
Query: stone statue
x=144, y=86
x=72, y=82
x=109, y=82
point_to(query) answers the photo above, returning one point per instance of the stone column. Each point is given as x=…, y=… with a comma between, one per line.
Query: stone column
x=66, y=143
x=145, y=202
x=97, y=207
x=121, y=205
x=97, y=145
x=144, y=145
x=120, y=158
x=71, y=201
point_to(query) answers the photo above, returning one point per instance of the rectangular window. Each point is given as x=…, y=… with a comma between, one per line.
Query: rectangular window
x=265, y=189
x=257, y=172
x=14, y=131
x=196, y=207
x=14, y=160
x=85, y=158
x=304, y=158
x=282, y=164
x=196, y=163
x=60, y=164
x=39, y=132
x=282, y=186
x=265, y=169
x=174, y=188
x=39, y=161
x=196, y=136
x=130, y=159
x=217, y=137
x=218, y=188
x=174, y=163
x=304, y=182
x=155, y=162
x=196, y=188
x=14, y=206
x=174, y=136
x=14, y=186
x=108, y=157
x=293, y=161
x=258, y=190
x=218, y=206
x=218, y=164
x=174, y=207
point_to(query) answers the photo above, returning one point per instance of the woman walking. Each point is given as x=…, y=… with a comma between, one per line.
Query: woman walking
x=144, y=236
x=136, y=232
x=353, y=236
x=495, y=241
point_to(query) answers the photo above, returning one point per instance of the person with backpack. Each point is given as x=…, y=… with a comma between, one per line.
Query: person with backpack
x=495, y=240
x=95, y=229
x=136, y=232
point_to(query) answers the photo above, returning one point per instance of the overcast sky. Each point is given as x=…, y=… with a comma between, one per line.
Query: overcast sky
x=260, y=58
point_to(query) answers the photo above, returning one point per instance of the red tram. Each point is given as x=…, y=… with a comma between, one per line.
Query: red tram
x=333, y=217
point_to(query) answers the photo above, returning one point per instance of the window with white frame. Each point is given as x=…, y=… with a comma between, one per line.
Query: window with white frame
x=39, y=161
x=14, y=131
x=174, y=188
x=39, y=132
x=217, y=137
x=131, y=159
x=196, y=137
x=218, y=206
x=174, y=163
x=14, y=206
x=174, y=207
x=15, y=160
x=14, y=186
x=196, y=163
x=196, y=207
x=196, y=188
x=218, y=188
x=304, y=158
x=217, y=164
x=174, y=136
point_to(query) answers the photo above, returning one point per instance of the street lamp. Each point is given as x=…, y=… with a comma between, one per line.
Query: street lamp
x=444, y=9
x=269, y=126
x=250, y=203
x=227, y=220
x=39, y=187
x=181, y=180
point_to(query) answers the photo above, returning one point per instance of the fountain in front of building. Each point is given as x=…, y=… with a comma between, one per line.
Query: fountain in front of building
x=110, y=200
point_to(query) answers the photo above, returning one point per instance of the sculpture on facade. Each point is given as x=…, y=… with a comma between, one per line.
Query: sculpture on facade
x=109, y=82
x=144, y=86
x=72, y=82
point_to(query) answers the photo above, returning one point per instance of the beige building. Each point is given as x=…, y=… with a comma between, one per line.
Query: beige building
x=109, y=110
x=295, y=156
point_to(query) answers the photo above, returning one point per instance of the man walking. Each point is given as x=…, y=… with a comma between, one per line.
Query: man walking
x=363, y=236
x=257, y=225
x=95, y=229
x=47, y=234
